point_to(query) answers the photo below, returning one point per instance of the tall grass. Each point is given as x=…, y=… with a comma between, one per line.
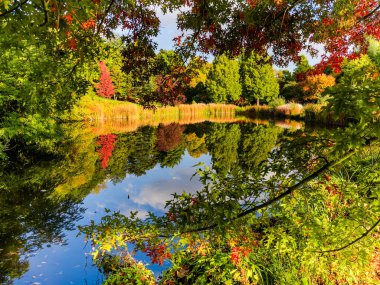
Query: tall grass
x=99, y=109
x=286, y=110
x=94, y=108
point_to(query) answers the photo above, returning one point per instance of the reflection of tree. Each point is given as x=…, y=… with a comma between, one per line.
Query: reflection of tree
x=29, y=216
x=196, y=146
x=169, y=143
x=255, y=145
x=172, y=157
x=106, y=146
x=169, y=136
x=311, y=215
x=222, y=143
x=134, y=154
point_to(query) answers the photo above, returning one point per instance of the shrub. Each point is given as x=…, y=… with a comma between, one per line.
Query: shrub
x=290, y=109
x=277, y=102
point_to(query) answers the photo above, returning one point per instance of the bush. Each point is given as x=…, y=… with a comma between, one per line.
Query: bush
x=290, y=109
x=277, y=102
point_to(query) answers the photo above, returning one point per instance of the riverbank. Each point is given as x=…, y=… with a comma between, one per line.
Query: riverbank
x=93, y=108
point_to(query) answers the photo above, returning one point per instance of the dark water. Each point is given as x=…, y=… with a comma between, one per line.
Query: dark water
x=45, y=196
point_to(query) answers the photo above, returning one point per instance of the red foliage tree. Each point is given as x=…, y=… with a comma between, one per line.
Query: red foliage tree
x=169, y=136
x=106, y=144
x=105, y=87
x=171, y=87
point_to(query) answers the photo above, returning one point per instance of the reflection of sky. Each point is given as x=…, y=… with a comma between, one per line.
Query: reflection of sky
x=70, y=264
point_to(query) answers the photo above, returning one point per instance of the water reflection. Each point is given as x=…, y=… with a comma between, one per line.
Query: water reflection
x=276, y=208
x=222, y=231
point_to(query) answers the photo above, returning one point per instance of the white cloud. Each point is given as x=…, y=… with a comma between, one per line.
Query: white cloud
x=157, y=193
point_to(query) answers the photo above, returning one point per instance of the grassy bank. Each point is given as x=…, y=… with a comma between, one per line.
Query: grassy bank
x=97, y=109
x=310, y=113
x=100, y=109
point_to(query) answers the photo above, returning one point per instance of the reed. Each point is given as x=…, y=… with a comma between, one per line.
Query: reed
x=100, y=109
x=94, y=108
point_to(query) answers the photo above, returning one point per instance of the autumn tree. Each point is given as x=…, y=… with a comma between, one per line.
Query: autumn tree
x=285, y=27
x=106, y=145
x=172, y=77
x=314, y=86
x=105, y=88
x=223, y=81
x=258, y=79
x=356, y=94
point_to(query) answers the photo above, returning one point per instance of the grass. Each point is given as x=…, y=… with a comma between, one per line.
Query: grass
x=97, y=109
x=100, y=109
x=292, y=110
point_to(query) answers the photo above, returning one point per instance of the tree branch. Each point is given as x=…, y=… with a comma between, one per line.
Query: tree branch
x=352, y=242
x=45, y=13
x=105, y=15
x=370, y=14
x=14, y=8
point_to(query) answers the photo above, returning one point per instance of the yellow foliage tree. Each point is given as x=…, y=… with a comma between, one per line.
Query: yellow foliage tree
x=314, y=85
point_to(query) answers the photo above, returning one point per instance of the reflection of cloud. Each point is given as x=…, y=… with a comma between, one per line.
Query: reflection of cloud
x=128, y=188
x=157, y=193
x=100, y=205
x=140, y=213
x=125, y=209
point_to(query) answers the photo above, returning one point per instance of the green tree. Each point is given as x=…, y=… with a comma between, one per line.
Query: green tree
x=258, y=79
x=356, y=95
x=115, y=63
x=303, y=66
x=222, y=142
x=223, y=81
x=255, y=145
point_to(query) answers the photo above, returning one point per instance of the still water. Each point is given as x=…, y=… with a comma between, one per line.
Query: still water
x=47, y=195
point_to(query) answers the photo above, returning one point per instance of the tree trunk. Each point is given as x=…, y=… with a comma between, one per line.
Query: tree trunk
x=258, y=102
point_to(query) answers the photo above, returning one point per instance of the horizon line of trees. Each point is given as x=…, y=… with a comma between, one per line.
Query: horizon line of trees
x=244, y=80
x=169, y=79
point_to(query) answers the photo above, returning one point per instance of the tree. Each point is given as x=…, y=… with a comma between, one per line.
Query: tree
x=197, y=89
x=105, y=87
x=314, y=86
x=258, y=79
x=115, y=62
x=285, y=27
x=172, y=78
x=223, y=81
x=302, y=68
x=356, y=95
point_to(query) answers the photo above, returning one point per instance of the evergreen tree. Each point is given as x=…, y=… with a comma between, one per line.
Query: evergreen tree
x=258, y=79
x=223, y=81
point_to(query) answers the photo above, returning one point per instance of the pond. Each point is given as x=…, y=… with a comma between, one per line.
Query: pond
x=322, y=197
